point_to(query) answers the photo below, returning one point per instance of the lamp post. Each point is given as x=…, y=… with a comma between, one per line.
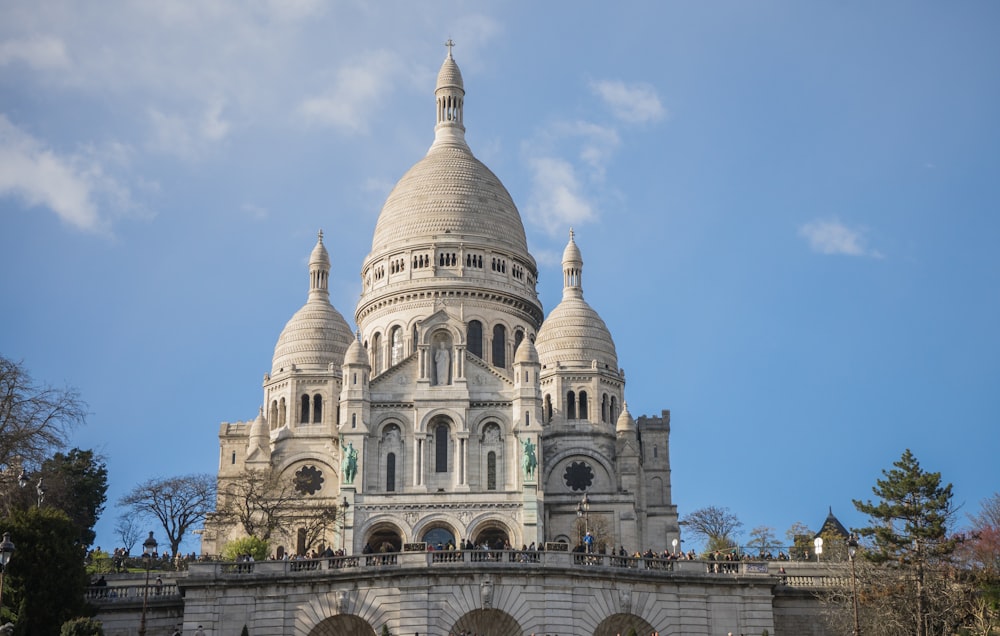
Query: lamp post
x=852, y=549
x=583, y=510
x=148, y=548
x=344, y=505
x=6, y=551
x=674, y=543
x=818, y=547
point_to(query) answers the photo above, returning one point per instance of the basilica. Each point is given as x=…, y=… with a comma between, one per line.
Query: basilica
x=457, y=412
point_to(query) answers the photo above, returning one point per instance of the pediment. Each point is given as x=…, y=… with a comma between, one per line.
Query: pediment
x=482, y=377
x=403, y=374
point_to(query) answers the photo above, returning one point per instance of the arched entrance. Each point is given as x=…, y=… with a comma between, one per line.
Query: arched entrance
x=384, y=534
x=488, y=621
x=439, y=537
x=493, y=534
x=623, y=624
x=343, y=625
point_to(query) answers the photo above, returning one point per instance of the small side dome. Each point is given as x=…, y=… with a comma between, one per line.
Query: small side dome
x=526, y=353
x=356, y=355
x=259, y=426
x=625, y=422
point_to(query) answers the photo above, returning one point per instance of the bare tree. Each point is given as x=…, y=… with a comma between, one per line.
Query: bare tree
x=35, y=419
x=128, y=530
x=178, y=503
x=717, y=526
x=260, y=501
x=763, y=539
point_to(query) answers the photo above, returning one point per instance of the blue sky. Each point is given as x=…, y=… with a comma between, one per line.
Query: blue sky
x=788, y=213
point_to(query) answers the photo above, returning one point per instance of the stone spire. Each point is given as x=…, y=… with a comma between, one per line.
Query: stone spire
x=450, y=94
x=572, y=262
x=319, y=270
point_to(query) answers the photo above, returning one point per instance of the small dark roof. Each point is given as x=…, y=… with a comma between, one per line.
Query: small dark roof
x=832, y=525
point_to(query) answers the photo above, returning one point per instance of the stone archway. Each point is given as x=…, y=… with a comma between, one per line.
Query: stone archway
x=488, y=621
x=384, y=534
x=624, y=624
x=343, y=625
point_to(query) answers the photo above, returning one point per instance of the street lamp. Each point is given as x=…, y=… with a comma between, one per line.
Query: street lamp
x=344, y=505
x=583, y=510
x=6, y=551
x=852, y=549
x=674, y=543
x=818, y=547
x=148, y=548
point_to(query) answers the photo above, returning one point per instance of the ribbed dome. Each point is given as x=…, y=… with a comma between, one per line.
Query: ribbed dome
x=316, y=337
x=526, y=353
x=356, y=354
x=449, y=190
x=449, y=76
x=625, y=424
x=574, y=335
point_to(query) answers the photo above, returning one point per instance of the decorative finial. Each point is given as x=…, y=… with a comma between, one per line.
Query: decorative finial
x=320, y=235
x=571, y=234
x=357, y=334
x=450, y=43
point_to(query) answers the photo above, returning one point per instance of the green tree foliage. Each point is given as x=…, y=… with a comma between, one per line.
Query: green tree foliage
x=177, y=503
x=46, y=577
x=77, y=483
x=82, y=627
x=909, y=536
x=717, y=526
x=255, y=547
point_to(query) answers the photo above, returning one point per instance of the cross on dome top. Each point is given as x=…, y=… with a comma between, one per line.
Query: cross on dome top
x=450, y=44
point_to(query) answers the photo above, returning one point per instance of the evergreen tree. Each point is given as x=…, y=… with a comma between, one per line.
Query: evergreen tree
x=909, y=526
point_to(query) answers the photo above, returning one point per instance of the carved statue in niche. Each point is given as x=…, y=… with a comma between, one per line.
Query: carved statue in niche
x=442, y=360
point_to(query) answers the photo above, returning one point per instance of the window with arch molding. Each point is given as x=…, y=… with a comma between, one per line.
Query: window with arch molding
x=396, y=345
x=441, y=448
x=583, y=405
x=491, y=471
x=377, y=353
x=604, y=408
x=317, y=409
x=304, y=415
x=390, y=472
x=547, y=412
x=570, y=405
x=499, y=346
x=475, y=337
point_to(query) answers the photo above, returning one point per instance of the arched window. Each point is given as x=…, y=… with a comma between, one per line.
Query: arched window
x=491, y=471
x=413, y=343
x=390, y=472
x=604, y=408
x=317, y=409
x=583, y=405
x=499, y=346
x=614, y=409
x=475, y=337
x=396, y=343
x=547, y=413
x=272, y=415
x=281, y=412
x=570, y=406
x=377, y=353
x=518, y=337
x=304, y=416
x=441, y=449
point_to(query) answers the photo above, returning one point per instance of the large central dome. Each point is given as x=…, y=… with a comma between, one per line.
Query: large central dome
x=450, y=191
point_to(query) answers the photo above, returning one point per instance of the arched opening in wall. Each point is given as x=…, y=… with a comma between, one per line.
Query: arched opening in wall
x=493, y=534
x=317, y=409
x=491, y=471
x=281, y=412
x=376, y=353
x=390, y=472
x=384, y=537
x=658, y=496
x=487, y=621
x=500, y=346
x=441, y=431
x=396, y=346
x=623, y=624
x=548, y=409
x=343, y=625
x=518, y=337
x=583, y=405
x=439, y=537
x=570, y=405
x=300, y=541
x=475, y=337
x=304, y=415
x=413, y=342
x=604, y=408
x=614, y=409
x=272, y=416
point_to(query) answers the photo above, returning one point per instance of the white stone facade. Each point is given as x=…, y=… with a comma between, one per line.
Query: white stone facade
x=453, y=381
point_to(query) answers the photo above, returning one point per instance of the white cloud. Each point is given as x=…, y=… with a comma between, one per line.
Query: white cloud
x=67, y=185
x=356, y=91
x=39, y=52
x=632, y=103
x=255, y=211
x=188, y=137
x=557, y=200
x=833, y=237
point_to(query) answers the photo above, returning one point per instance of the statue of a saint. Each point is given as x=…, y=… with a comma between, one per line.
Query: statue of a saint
x=530, y=461
x=349, y=460
x=442, y=357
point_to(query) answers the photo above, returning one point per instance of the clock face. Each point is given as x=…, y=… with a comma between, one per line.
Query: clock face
x=308, y=480
x=579, y=476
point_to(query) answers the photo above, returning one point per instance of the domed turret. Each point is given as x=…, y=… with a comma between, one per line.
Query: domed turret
x=317, y=335
x=526, y=353
x=574, y=335
x=625, y=424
